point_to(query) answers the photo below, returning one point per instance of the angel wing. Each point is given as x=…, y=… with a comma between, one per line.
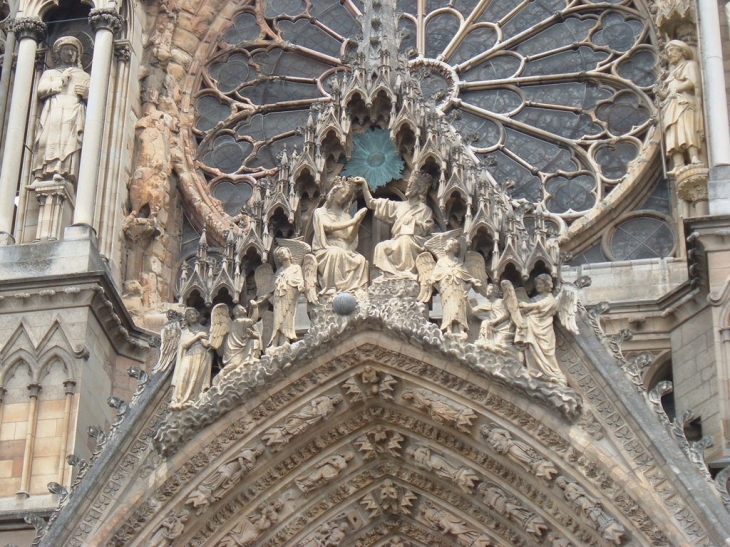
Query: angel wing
x=264, y=278
x=220, y=325
x=437, y=242
x=568, y=307
x=425, y=265
x=309, y=272
x=477, y=268
x=168, y=350
x=298, y=248
x=510, y=301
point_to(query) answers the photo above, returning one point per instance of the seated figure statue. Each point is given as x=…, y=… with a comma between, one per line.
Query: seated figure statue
x=411, y=221
x=340, y=266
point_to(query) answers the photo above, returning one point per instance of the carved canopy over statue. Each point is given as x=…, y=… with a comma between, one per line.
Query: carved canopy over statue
x=63, y=90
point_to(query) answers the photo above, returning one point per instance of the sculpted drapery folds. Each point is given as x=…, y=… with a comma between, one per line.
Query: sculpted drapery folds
x=410, y=220
x=339, y=266
x=195, y=347
x=170, y=529
x=317, y=410
x=522, y=454
x=243, y=344
x=535, y=329
x=425, y=458
x=681, y=95
x=324, y=471
x=64, y=90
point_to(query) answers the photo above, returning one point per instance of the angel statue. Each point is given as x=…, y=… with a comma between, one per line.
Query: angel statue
x=452, y=278
x=534, y=322
x=288, y=284
x=411, y=222
x=195, y=347
x=340, y=266
x=243, y=343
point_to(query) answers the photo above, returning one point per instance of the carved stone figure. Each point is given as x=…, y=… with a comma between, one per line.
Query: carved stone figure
x=324, y=471
x=170, y=529
x=395, y=499
x=441, y=412
x=149, y=184
x=451, y=524
x=452, y=280
x=250, y=528
x=591, y=509
x=497, y=332
x=426, y=459
x=507, y=505
x=535, y=329
x=223, y=479
x=522, y=454
x=379, y=441
x=340, y=267
x=288, y=285
x=681, y=94
x=411, y=221
x=64, y=90
x=317, y=410
x=194, y=361
x=329, y=534
x=372, y=384
x=243, y=343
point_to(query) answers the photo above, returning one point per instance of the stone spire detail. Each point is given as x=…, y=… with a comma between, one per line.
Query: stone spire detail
x=381, y=36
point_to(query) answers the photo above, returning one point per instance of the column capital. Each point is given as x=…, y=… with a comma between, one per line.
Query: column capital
x=29, y=27
x=105, y=18
x=69, y=386
x=34, y=389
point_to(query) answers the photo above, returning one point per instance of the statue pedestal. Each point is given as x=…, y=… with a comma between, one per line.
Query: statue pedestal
x=55, y=207
x=692, y=187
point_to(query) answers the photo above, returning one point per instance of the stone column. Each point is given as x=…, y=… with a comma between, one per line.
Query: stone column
x=69, y=386
x=29, y=31
x=34, y=390
x=105, y=22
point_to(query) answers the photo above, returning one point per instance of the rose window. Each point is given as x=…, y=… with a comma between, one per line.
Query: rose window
x=551, y=94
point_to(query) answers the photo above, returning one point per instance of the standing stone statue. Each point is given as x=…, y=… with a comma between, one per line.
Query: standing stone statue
x=681, y=95
x=64, y=90
x=411, y=221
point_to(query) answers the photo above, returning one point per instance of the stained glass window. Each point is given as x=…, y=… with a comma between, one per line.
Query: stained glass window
x=556, y=91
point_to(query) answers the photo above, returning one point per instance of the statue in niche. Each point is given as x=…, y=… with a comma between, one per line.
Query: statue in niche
x=441, y=411
x=150, y=181
x=340, y=267
x=497, y=332
x=522, y=454
x=195, y=349
x=507, y=505
x=170, y=529
x=681, y=95
x=317, y=410
x=64, y=90
x=324, y=471
x=426, y=459
x=451, y=524
x=297, y=274
x=223, y=479
x=591, y=509
x=411, y=221
x=243, y=344
x=453, y=280
x=249, y=529
x=535, y=330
